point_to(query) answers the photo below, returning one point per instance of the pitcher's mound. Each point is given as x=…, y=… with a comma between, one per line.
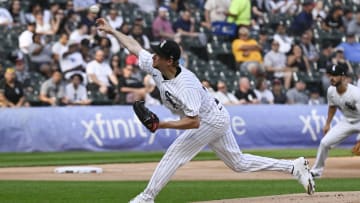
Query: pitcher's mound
x=320, y=197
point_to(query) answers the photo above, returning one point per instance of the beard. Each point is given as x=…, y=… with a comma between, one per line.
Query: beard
x=336, y=84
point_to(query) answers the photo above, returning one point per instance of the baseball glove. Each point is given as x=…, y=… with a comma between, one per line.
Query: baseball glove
x=146, y=117
x=356, y=149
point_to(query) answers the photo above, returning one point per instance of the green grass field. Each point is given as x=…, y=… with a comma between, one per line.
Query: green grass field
x=175, y=191
x=82, y=158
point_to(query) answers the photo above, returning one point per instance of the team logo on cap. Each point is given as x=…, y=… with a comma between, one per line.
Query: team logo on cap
x=162, y=43
x=334, y=67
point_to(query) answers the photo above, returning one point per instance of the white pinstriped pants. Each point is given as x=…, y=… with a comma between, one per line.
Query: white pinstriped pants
x=335, y=136
x=221, y=140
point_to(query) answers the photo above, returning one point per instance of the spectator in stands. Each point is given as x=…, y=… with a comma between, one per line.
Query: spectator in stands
x=71, y=60
x=351, y=48
x=263, y=94
x=114, y=19
x=354, y=25
x=75, y=91
x=347, y=17
x=125, y=28
x=71, y=22
x=318, y=12
x=245, y=94
x=22, y=75
x=208, y=86
x=152, y=94
x=358, y=81
x=259, y=9
x=185, y=27
x=215, y=11
x=85, y=50
x=297, y=95
x=37, y=8
x=104, y=44
x=315, y=98
x=69, y=7
x=115, y=65
x=39, y=53
x=100, y=75
x=339, y=59
x=13, y=89
x=89, y=19
x=26, y=38
x=297, y=61
x=52, y=91
x=283, y=38
x=161, y=27
x=42, y=27
x=333, y=21
x=3, y=101
x=275, y=64
x=5, y=17
x=58, y=22
x=225, y=97
x=247, y=52
x=324, y=62
x=17, y=13
x=79, y=34
x=264, y=42
x=284, y=7
x=137, y=33
x=310, y=51
x=148, y=6
x=303, y=21
x=83, y=5
x=325, y=57
x=278, y=92
x=130, y=88
x=240, y=12
x=58, y=48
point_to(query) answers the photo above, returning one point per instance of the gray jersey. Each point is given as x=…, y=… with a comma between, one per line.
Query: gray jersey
x=348, y=103
x=183, y=95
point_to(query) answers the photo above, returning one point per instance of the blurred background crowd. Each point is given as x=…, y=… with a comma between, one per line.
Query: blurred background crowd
x=243, y=51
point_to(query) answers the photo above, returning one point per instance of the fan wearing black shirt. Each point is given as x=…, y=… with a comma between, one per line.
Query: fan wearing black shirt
x=13, y=89
x=245, y=94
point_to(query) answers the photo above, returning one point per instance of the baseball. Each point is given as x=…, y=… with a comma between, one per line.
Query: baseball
x=94, y=8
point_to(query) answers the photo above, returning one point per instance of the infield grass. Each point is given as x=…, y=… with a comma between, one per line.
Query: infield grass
x=176, y=191
x=83, y=158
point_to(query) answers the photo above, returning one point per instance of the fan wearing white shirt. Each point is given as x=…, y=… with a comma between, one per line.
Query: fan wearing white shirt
x=114, y=19
x=80, y=33
x=58, y=48
x=75, y=92
x=5, y=17
x=264, y=95
x=25, y=38
x=100, y=73
x=225, y=97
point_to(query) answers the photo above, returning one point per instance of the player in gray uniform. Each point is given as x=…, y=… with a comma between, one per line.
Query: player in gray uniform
x=346, y=98
x=205, y=120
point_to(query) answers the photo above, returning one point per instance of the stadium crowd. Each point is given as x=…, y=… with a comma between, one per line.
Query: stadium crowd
x=244, y=51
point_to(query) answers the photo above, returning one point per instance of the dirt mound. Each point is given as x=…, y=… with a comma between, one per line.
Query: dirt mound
x=320, y=197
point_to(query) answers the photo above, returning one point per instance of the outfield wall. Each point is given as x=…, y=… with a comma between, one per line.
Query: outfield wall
x=103, y=128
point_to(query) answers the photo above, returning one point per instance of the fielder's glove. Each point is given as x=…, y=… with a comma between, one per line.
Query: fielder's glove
x=356, y=149
x=147, y=117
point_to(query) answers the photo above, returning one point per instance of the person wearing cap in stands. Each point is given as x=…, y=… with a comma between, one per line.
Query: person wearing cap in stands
x=351, y=48
x=345, y=97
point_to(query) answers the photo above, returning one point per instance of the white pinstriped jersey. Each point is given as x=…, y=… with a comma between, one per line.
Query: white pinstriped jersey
x=183, y=95
x=348, y=102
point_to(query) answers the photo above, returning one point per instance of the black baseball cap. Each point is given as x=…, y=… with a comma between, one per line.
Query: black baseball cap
x=336, y=70
x=168, y=49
